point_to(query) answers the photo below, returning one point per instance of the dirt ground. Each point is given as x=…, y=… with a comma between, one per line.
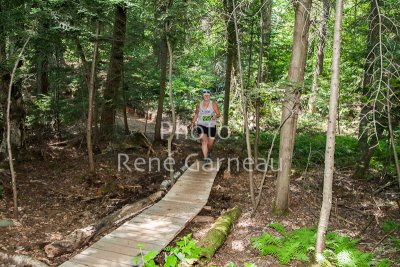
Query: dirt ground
x=57, y=196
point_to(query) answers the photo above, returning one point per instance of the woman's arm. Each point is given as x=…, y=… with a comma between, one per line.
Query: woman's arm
x=216, y=109
x=196, y=114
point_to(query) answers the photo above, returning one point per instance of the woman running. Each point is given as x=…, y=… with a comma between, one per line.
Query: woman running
x=205, y=118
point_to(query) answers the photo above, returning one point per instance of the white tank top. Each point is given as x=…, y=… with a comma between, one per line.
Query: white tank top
x=206, y=114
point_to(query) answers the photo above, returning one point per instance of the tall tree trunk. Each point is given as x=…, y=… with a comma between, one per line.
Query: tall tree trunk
x=367, y=145
x=172, y=103
x=163, y=79
x=245, y=110
x=163, y=59
x=9, y=128
x=291, y=102
x=3, y=82
x=266, y=31
x=331, y=133
x=114, y=76
x=262, y=72
x=43, y=53
x=230, y=57
x=89, y=130
x=42, y=78
x=319, y=64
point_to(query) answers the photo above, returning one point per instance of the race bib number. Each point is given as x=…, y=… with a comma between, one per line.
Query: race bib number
x=207, y=117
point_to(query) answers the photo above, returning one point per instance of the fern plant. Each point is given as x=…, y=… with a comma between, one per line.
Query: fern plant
x=340, y=250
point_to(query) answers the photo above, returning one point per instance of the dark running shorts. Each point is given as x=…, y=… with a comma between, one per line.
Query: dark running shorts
x=209, y=131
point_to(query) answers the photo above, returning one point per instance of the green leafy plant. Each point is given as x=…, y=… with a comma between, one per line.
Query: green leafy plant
x=297, y=245
x=185, y=251
x=147, y=259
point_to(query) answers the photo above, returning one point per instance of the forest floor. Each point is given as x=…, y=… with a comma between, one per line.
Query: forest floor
x=56, y=196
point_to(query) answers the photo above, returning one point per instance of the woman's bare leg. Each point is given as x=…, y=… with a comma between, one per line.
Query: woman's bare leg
x=204, y=144
x=210, y=144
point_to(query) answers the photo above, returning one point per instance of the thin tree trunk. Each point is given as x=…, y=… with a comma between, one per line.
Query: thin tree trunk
x=124, y=110
x=163, y=79
x=114, y=76
x=257, y=137
x=3, y=86
x=230, y=58
x=172, y=104
x=266, y=31
x=9, y=148
x=250, y=62
x=89, y=129
x=319, y=64
x=245, y=107
x=391, y=134
x=291, y=102
x=85, y=65
x=331, y=133
x=126, y=125
x=163, y=59
x=42, y=73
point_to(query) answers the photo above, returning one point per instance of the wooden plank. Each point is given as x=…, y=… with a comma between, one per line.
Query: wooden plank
x=191, y=193
x=96, y=262
x=117, y=248
x=72, y=264
x=157, y=232
x=162, y=218
x=155, y=239
x=112, y=240
x=109, y=255
x=155, y=226
x=143, y=216
x=187, y=198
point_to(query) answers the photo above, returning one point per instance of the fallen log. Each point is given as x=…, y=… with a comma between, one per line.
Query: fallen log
x=80, y=237
x=218, y=233
x=20, y=260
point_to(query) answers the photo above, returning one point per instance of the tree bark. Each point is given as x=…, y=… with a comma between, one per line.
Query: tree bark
x=319, y=64
x=114, y=76
x=291, y=102
x=163, y=59
x=367, y=145
x=89, y=130
x=331, y=134
x=230, y=58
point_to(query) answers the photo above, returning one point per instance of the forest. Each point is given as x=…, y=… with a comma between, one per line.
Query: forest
x=101, y=106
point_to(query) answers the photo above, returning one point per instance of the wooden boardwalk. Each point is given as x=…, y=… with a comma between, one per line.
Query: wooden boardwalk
x=156, y=226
